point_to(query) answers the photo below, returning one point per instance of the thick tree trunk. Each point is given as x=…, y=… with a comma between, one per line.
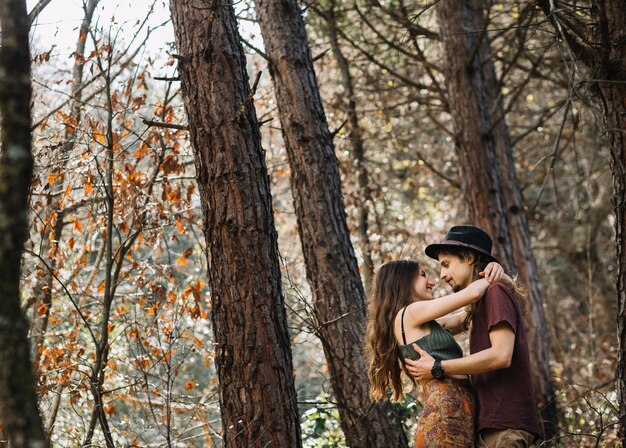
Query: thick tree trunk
x=606, y=63
x=331, y=266
x=612, y=95
x=538, y=340
x=492, y=192
x=19, y=411
x=254, y=365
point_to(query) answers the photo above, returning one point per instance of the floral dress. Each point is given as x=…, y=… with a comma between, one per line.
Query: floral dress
x=447, y=420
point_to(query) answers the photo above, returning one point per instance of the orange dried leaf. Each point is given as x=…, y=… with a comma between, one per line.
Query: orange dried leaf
x=42, y=309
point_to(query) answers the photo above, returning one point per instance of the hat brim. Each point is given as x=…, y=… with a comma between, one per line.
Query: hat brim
x=433, y=250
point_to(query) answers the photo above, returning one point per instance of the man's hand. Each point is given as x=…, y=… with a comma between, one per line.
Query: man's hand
x=420, y=370
x=493, y=272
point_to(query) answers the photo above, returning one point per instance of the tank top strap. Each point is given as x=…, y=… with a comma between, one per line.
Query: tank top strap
x=402, y=323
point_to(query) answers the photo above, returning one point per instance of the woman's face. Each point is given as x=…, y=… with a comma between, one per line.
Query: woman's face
x=422, y=287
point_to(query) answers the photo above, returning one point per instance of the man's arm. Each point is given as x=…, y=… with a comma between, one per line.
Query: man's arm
x=498, y=356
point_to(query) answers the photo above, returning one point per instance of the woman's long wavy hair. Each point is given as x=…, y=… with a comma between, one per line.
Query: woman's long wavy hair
x=392, y=290
x=479, y=263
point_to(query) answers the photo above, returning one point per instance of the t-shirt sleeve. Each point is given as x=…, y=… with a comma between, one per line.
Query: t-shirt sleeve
x=500, y=307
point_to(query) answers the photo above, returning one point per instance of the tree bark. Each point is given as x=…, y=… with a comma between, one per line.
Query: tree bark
x=491, y=188
x=356, y=142
x=611, y=93
x=614, y=108
x=19, y=411
x=331, y=266
x=605, y=61
x=253, y=360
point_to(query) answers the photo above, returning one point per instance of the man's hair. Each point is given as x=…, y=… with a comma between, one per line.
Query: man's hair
x=479, y=262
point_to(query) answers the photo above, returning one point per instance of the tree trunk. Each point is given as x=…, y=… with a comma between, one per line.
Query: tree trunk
x=612, y=96
x=606, y=64
x=253, y=360
x=492, y=192
x=356, y=142
x=19, y=411
x=538, y=341
x=331, y=266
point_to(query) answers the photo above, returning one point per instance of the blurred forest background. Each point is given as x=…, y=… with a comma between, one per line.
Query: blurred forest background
x=140, y=301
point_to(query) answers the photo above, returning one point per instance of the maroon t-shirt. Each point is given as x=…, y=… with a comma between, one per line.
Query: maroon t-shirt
x=506, y=399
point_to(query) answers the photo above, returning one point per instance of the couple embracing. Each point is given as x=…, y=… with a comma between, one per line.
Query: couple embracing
x=410, y=330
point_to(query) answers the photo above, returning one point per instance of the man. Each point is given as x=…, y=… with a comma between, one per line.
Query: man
x=499, y=363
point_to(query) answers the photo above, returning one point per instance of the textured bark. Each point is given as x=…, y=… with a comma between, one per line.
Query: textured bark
x=612, y=95
x=614, y=108
x=606, y=67
x=253, y=360
x=331, y=266
x=19, y=412
x=357, y=145
x=492, y=191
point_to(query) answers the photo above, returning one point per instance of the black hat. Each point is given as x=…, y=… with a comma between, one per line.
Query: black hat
x=464, y=237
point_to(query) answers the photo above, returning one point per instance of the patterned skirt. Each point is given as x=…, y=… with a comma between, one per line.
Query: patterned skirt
x=447, y=420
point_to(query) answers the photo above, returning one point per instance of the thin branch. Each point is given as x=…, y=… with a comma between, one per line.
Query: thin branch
x=34, y=13
x=336, y=131
x=161, y=124
x=69, y=294
x=167, y=78
x=321, y=55
x=255, y=49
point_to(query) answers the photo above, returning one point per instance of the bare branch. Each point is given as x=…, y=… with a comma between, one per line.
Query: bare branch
x=34, y=13
x=162, y=124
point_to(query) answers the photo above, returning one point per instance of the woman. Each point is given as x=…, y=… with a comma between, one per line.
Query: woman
x=402, y=311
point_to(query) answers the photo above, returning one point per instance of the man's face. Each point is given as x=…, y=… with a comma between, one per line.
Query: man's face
x=456, y=271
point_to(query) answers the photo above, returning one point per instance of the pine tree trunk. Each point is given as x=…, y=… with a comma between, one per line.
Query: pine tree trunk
x=538, y=340
x=331, y=266
x=615, y=119
x=492, y=192
x=253, y=360
x=19, y=411
x=356, y=143
x=606, y=64
x=618, y=154
x=612, y=95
